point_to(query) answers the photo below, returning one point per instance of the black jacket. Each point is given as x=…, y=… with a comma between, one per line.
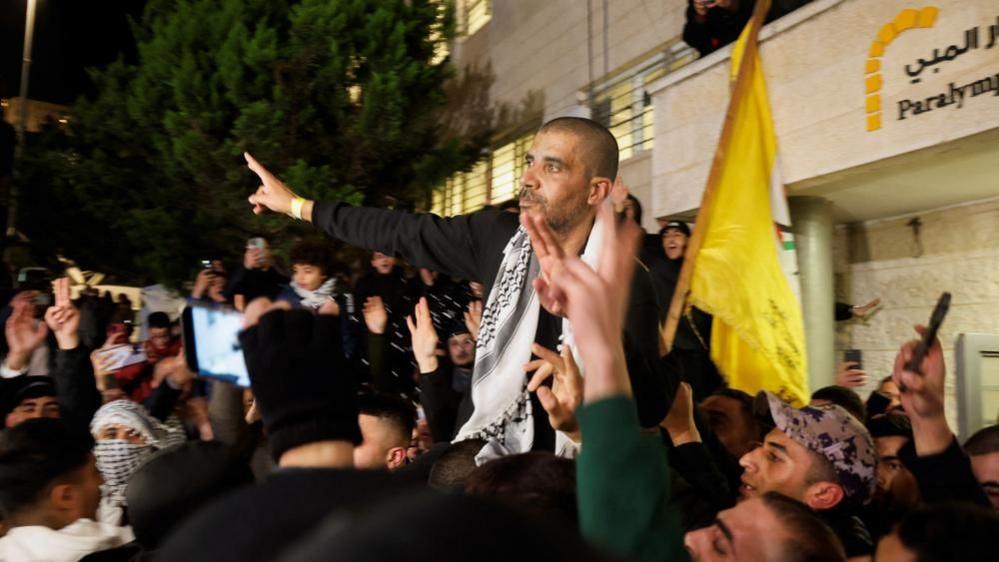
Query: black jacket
x=944, y=477
x=471, y=247
x=447, y=405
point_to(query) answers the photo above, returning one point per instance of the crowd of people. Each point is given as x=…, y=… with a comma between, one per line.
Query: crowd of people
x=492, y=387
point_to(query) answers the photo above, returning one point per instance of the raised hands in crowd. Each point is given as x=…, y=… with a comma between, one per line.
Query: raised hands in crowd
x=636, y=494
x=424, y=337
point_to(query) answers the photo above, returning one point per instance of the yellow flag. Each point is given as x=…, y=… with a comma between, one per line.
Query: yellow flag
x=757, y=338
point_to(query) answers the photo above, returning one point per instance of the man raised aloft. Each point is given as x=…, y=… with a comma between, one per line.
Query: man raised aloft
x=568, y=174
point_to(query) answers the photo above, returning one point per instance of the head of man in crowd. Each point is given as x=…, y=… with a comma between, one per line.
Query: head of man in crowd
x=769, y=527
x=896, y=486
x=730, y=416
x=842, y=397
x=24, y=398
x=675, y=236
x=383, y=263
x=176, y=482
x=160, y=332
x=387, y=424
x=957, y=532
x=821, y=456
x=48, y=476
x=633, y=209
x=461, y=346
x=983, y=448
x=568, y=171
x=538, y=483
x=889, y=389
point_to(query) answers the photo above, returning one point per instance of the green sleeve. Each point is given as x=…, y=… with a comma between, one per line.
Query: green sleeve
x=622, y=481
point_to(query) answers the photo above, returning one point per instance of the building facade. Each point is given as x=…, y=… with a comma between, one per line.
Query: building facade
x=887, y=115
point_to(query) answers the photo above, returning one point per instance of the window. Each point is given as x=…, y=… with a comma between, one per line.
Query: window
x=473, y=14
x=493, y=180
x=624, y=104
x=436, y=36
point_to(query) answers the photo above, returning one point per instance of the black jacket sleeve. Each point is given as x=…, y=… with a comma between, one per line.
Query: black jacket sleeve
x=944, y=477
x=381, y=378
x=653, y=381
x=162, y=401
x=466, y=247
x=440, y=404
x=76, y=386
x=844, y=311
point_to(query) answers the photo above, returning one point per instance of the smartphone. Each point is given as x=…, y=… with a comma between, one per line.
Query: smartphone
x=936, y=319
x=256, y=242
x=206, y=264
x=211, y=344
x=854, y=356
x=119, y=356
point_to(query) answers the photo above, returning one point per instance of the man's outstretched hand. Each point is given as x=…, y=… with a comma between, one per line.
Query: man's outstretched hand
x=273, y=194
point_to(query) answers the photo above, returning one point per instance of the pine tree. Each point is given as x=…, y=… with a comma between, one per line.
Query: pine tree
x=341, y=98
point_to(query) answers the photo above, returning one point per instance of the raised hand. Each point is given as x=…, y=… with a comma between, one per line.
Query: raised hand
x=849, y=376
x=922, y=396
x=473, y=318
x=861, y=311
x=924, y=392
x=424, y=337
x=272, y=194
x=566, y=392
x=619, y=195
x=201, y=283
x=550, y=257
x=375, y=315
x=24, y=333
x=679, y=422
x=63, y=318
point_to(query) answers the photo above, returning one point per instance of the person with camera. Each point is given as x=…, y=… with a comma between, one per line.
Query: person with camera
x=209, y=285
x=257, y=277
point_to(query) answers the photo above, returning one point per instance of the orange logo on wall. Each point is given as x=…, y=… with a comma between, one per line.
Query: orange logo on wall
x=904, y=21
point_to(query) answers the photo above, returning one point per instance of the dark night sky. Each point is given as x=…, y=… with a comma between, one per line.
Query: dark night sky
x=70, y=36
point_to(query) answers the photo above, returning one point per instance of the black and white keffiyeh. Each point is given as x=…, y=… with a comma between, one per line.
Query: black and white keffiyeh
x=503, y=414
x=118, y=459
x=317, y=298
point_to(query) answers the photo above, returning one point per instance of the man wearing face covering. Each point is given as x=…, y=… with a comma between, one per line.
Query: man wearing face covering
x=126, y=437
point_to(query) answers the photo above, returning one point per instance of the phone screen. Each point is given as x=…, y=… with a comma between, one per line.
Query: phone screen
x=211, y=342
x=854, y=356
x=119, y=356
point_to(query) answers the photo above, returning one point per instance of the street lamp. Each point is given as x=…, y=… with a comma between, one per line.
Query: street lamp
x=22, y=120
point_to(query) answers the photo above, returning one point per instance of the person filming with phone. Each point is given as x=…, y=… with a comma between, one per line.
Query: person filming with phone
x=257, y=277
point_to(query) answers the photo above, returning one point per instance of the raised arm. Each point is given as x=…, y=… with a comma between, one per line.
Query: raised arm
x=72, y=371
x=457, y=246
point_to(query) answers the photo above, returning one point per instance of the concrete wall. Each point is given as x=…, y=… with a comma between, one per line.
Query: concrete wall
x=815, y=62
x=542, y=46
x=959, y=253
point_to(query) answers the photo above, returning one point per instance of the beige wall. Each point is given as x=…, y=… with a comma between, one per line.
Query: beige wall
x=960, y=254
x=542, y=46
x=814, y=61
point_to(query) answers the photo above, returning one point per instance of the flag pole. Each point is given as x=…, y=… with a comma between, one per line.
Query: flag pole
x=668, y=331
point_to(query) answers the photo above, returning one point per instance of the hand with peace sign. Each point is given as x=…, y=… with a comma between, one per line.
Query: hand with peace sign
x=63, y=318
x=566, y=392
x=273, y=194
